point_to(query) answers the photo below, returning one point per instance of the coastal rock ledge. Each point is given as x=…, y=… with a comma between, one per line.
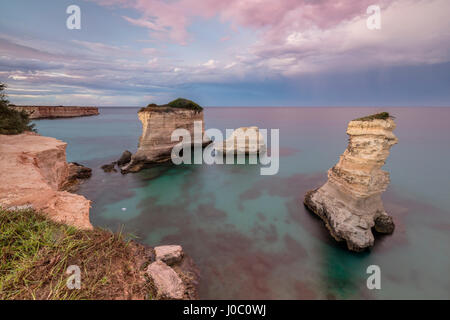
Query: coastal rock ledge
x=350, y=201
x=34, y=173
x=51, y=112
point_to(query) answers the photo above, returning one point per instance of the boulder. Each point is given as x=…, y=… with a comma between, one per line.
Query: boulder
x=78, y=171
x=167, y=282
x=169, y=254
x=125, y=158
x=384, y=224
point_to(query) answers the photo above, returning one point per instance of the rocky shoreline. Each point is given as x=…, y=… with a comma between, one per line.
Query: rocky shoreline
x=35, y=176
x=35, y=173
x=52, y=112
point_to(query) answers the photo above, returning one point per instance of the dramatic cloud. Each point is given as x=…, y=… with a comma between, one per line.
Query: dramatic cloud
x=213, y=49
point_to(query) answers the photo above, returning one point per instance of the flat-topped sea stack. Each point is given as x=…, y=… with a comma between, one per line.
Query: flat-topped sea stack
x=350, y=201
x=158, y=123
x=49, y=112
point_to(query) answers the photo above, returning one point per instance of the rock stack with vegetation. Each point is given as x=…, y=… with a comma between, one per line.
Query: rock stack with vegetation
x=350, y=202
x=158, y=123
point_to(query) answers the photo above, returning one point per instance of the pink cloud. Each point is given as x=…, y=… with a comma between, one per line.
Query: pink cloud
x=274, y=18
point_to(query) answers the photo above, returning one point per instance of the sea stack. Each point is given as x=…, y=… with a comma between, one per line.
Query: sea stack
x=245, y=140
x=158, y=123
x=350, y=201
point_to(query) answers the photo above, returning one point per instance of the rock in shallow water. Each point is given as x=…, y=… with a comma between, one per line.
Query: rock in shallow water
x=78, y=171
x=384, y=224
x=350, y=201
x=125, y=158
x=109, y=167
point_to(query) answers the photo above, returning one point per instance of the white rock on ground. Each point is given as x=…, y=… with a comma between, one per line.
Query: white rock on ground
x=169, y=254
x=167, y=282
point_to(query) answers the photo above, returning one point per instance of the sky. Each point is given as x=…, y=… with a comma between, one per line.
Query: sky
x=226, y=53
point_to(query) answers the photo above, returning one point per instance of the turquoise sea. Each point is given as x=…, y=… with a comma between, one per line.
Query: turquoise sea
x=250, y=235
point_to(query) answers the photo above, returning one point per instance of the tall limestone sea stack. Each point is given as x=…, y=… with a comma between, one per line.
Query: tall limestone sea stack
x=158, y=123
x=350, y=201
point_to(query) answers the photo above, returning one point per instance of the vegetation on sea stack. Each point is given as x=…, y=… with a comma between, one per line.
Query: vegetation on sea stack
x=12, y=121
x=185, y=104
x=179, y=103
x=381, y=116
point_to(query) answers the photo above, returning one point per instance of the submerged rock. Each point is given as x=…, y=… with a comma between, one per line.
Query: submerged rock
x=158, y=123
x=350, y=201
x=109, y=167
x=245, y=140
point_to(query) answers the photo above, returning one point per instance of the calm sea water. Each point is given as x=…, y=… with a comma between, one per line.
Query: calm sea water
x=249, y=234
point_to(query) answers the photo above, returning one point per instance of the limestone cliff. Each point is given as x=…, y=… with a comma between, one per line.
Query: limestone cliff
x=158, y=123
x=350, y=201
x=33, y=172
x=47, y=112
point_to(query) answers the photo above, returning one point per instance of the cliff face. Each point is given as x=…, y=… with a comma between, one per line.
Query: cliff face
x=33, y=171
x=45, y=112
x=350, y=201
x=155, y=143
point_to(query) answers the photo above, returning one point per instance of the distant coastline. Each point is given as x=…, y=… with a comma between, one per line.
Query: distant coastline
x=52, y=112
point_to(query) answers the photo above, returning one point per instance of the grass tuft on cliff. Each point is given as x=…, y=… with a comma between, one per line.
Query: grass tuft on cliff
x=35, y=254
x=179, y=103
x=381, y=116
x=12, y=121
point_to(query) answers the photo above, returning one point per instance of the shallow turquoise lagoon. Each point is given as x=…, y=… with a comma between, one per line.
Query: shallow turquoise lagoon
x=250, y=235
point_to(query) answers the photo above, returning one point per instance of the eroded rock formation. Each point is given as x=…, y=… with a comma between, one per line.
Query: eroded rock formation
x=48, y=112
x=350, y=201
x=245, y=140
x=158, y=123
x=33, y=172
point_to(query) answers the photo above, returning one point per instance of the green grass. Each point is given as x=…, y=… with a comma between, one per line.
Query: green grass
x=35, y=254
x=179, y=103
x=185, y=104
x=381, y=116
